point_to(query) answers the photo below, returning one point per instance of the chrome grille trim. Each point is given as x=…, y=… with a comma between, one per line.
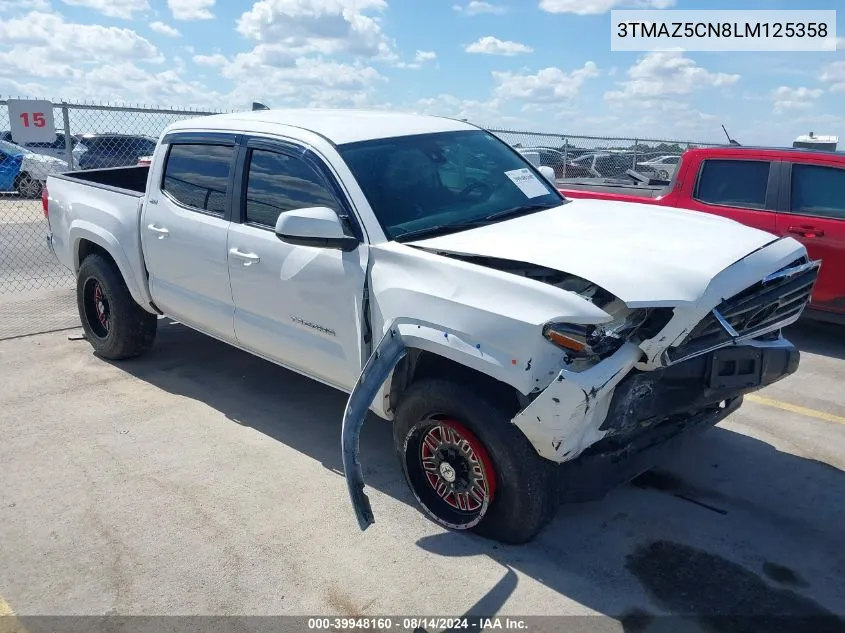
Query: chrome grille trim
x=765, y=307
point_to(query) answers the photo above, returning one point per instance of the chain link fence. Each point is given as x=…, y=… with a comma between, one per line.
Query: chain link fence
x=37, y=293
x=576, y=158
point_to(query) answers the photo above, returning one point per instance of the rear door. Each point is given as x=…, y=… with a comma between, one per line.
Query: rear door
x=742, y=189
x=813, y=212
x=184, y=230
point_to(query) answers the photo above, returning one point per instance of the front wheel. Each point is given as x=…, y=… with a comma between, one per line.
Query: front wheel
x=468, y=466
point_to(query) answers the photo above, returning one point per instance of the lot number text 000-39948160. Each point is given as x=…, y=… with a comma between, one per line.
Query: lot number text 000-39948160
x=723, y=30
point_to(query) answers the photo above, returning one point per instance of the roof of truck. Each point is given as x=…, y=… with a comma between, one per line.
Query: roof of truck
x=337, y=125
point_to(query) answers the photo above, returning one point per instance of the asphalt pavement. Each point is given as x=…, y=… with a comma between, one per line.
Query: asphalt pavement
x=202, y=480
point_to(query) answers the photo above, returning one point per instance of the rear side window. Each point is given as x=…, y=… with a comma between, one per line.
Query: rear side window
x=818, y=191
x=734, y=183
x=198, y=176
x=278, y=182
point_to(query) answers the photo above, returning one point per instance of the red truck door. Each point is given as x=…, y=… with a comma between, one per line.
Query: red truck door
x=813, y=212
x=742, y=189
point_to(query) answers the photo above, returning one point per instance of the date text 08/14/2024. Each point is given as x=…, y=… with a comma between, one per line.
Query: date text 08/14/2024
x=416, y=624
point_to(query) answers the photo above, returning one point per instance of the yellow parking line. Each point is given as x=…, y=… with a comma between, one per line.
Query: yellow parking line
x=794, y=408
x=9, y=623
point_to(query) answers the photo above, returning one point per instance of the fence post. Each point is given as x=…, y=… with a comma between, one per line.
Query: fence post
x=636, y=149
x=68, y=143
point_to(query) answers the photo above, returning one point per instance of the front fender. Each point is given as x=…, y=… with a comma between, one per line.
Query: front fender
x=400, y=334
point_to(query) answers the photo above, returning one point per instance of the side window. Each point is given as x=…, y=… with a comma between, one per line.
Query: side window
x=198, y=176
x=818, y=191
x=278, y=182
x=734, y=183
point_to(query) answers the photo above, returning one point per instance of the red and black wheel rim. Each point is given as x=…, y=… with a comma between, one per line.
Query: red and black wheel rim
x=450, y=471
x=97, y=309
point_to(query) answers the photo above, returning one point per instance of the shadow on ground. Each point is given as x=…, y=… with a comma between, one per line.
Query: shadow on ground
x=818, y=337
x=645, y=552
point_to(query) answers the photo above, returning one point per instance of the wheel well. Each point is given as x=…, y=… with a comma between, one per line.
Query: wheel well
x=87, y=247
x=420, y=364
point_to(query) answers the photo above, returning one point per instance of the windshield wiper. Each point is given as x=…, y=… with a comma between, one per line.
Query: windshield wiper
x=517, y=211
x=441, y=229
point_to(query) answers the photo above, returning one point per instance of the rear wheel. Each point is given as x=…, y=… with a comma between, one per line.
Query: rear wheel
x=114, y=324
x=468, y=466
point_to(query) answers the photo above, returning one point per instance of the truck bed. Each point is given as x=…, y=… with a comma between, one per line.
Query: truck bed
x=127, y=180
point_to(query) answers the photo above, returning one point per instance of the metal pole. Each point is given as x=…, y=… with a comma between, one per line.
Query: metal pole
x=636, y=147
x=68, y=143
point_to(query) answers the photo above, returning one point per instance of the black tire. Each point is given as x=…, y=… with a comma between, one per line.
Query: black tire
x=127, y=330
x=522, y=498
x=28, y=187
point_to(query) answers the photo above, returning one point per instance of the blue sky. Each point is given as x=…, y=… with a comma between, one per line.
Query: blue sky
x=528, y=64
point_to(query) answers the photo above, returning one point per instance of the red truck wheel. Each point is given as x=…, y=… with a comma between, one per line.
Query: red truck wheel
x=468, y=467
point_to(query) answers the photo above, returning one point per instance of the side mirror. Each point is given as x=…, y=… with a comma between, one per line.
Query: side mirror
x=314, y=226
x=548, y=172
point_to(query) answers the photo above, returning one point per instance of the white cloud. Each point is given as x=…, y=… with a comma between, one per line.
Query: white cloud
x=191, y=9
x=490, y=45
x=327, y=27
x=550, y=85
x=215, y=61
x=659, y=74
x=125, y=9
x=44, y=45
x=164, y=29
x=788, y=99
x=425, y=56
x=591, y=7
x=834, y=74
x=476, y=7
x=24, y=5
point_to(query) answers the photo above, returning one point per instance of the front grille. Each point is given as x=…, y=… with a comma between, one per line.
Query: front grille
x=769, y=304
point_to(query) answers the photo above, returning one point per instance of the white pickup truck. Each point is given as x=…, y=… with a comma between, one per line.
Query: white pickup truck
x=528, y=349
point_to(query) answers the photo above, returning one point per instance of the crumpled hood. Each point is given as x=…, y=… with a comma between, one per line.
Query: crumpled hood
x=646, y=255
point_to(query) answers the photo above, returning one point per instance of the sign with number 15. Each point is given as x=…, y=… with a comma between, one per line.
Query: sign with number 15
x=31, y=121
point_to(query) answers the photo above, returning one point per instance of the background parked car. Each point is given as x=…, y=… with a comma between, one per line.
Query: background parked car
x=56, y=149
x=25, y=171
x=547, y=157
x=603, y=165
x=114, y=150
x=664, y=166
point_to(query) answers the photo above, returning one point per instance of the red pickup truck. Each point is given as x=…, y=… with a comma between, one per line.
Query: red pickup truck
x=794, y=192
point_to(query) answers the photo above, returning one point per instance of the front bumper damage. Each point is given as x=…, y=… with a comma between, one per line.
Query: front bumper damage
x=616, y=419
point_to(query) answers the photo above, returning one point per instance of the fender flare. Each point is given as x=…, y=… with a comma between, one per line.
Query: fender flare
x=83, y=230
x=400, y=334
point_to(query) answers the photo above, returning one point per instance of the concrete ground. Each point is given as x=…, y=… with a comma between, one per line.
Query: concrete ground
x=202, y=480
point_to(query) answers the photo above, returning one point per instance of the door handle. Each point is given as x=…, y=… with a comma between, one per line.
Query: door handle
x=806, y=231
x=159, y=230
x=248, y=258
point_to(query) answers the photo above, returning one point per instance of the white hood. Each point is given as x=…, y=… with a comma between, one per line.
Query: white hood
x=644, y=254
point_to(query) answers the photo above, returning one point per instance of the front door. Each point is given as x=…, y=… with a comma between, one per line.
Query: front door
x=184, y=230
x=299, y=306
x=815, y=215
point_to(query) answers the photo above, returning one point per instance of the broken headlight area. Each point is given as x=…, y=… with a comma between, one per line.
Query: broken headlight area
x=596, y=342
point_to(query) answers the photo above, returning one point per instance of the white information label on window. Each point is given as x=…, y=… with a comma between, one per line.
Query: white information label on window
x=31, y=121
x=527, y=182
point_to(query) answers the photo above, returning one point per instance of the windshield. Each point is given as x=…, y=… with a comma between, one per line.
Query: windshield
x=11, y=148
x=445, y=179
